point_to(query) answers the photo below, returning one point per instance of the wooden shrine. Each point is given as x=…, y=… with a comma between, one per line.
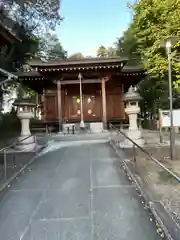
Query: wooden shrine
x=103, y=83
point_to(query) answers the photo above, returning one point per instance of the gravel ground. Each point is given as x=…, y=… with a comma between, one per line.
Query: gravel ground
x=165, y=188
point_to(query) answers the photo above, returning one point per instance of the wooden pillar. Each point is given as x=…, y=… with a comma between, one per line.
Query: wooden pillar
x=44, y=105
x=37, y=106
x=59, y=101
x=103, y=87
x=122, y=99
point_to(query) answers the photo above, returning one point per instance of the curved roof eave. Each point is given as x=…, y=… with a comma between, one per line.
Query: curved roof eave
x=129, y=69
x=85, y=61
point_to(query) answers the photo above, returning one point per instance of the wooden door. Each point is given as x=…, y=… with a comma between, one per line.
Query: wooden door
x=92, y=107
x=115, y=107
x=75, y=107
x=51, y=108
x=72, y=107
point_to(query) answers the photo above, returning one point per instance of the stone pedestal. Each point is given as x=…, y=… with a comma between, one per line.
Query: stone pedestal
x=132, y=109
x=96, y=127
x=27, y=142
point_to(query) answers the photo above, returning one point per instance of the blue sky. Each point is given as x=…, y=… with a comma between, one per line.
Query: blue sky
x=88, y=24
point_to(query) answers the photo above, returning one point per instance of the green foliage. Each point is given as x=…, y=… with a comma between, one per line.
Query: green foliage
x=128, y=46
x=50, y=48
x=166, y=177
x=14, y=56
x=28, y=20
x=104, y=52
x=154, y=20
x=76, y=56
x=153, y=91
x=38, y=15
x=154, y=94
x=9, y=127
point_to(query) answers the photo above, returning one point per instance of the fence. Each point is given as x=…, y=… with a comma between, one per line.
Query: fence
x=156, y=175
x=143, y=150
x=11, y=161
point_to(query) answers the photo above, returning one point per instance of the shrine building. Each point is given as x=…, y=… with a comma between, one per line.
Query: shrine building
x=91, y=90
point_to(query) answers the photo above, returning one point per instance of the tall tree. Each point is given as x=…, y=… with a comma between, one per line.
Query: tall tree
x=50, y=48
x=106, y=52
x=153, y=90
x=37, y=15
x=27, y=19
x=155, y=20
x=128, y=46
x=76, y=56
x=102, y=51
x=111, y=52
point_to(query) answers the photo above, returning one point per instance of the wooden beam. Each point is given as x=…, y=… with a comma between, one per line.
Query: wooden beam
x=103, y=86
x=76, y=81
x=84, y=81
x=86, y=74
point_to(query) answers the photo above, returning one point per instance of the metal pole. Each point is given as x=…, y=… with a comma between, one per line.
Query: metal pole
x=81, y=101
x=160, y=127
x=172, y=135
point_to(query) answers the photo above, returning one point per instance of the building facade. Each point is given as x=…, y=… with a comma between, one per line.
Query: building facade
x=88, y=89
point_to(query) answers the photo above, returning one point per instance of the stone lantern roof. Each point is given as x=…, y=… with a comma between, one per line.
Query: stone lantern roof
x=132, y=95
x=24, y=102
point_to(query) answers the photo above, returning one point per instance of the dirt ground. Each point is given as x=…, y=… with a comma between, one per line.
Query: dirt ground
x=161, y=183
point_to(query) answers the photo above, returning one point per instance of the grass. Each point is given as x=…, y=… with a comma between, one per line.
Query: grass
x=7, y=139
x=164, y=176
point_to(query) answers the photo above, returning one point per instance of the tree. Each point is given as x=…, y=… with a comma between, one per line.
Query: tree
x=128, y=46
x=141, y=44
x=102, y=52
x=153, y=89
x=37, y=15
x=26, y=19
x=76, y=56
x=111, y=52
x=153, y=21
x=50, y=48
x=154, y=95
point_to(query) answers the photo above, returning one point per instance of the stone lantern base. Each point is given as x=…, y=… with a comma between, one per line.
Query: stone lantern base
x=132, y=109
x=28, y=144
x=25, y=112
x=134, y=135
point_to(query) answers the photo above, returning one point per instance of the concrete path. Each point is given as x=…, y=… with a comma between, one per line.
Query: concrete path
x=77, y=192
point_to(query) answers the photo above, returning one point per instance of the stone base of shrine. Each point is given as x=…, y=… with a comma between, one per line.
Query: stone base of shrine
x=96, y=127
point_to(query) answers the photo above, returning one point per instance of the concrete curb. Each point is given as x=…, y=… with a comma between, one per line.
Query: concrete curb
x=163, y=218
x=15, y=175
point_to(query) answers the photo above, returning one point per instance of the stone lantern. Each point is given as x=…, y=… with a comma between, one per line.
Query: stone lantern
x=132, y=109
x=25, y=111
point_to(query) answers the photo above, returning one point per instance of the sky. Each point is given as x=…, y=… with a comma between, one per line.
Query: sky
x=89, y=24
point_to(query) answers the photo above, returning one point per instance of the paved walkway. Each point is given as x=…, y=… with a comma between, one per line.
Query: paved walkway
x=77, y=192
